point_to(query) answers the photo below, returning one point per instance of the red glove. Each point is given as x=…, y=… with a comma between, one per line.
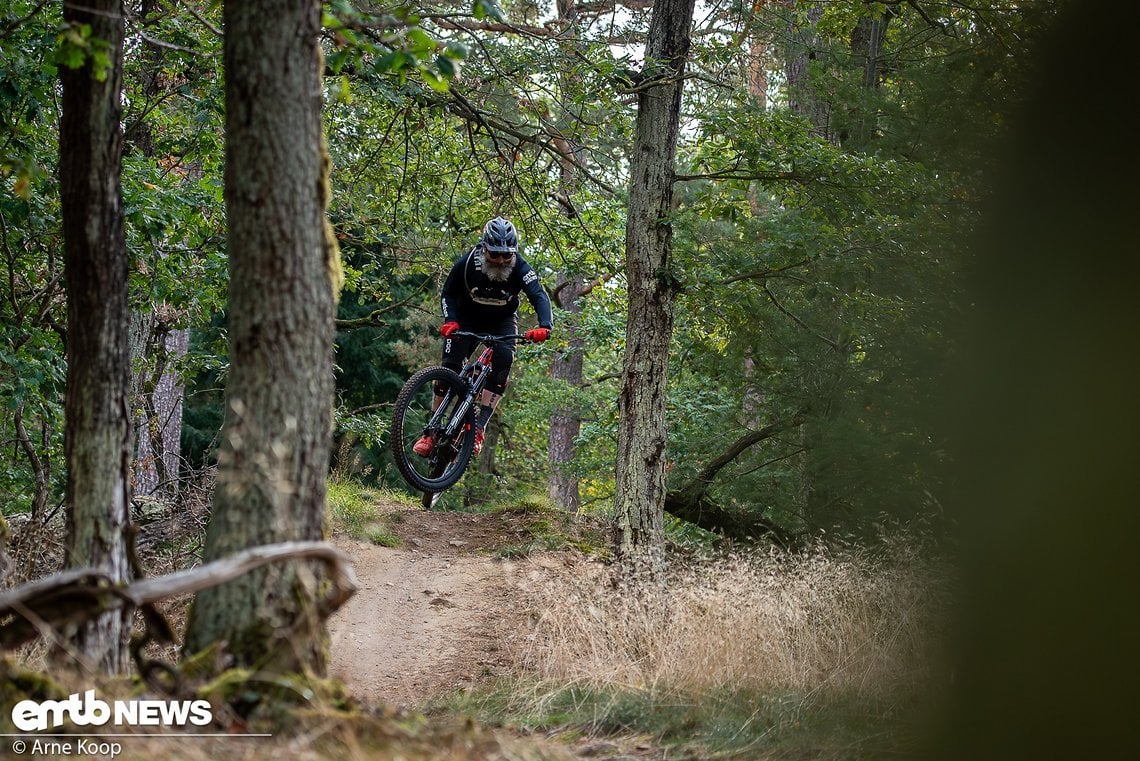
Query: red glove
x=448, y=328
x=538, y=335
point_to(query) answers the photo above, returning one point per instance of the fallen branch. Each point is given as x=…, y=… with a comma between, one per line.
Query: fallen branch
x=691, y=502
x=79, y=595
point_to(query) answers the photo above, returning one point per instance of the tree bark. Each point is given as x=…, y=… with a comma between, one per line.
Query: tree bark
x=803, y=47
x=690, y=501
x=640, y=493
x=867, y=45
x=157, y=394
x=97, y=441
x=566, y=422
x=275, y=448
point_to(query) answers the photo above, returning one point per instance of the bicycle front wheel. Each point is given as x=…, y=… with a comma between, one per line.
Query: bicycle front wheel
x=452, y=438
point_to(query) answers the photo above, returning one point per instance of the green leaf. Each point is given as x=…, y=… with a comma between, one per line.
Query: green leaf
x=421, y=41
x=446, y=66
x=484, y=9
x=434, y=81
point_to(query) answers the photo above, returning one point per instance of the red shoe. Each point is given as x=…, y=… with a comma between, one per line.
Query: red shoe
x=423, y=446
x=478, y=442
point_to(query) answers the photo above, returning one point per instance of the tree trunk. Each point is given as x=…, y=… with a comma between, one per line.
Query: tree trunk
x=485, y=462
x=566, y=422
x=867, y=45
x=803, y=47
x=156, y=392
x=274, y=455
x=640, y=493
x=97, y=440
x=157, y=395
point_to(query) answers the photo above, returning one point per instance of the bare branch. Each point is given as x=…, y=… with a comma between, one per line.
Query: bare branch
x=469, y=25
x=763, y=274
x=193, y=12
x=541, y=139
x=81, y=594
x=797, y=320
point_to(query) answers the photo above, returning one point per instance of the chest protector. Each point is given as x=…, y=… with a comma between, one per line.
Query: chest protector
x=482, y=289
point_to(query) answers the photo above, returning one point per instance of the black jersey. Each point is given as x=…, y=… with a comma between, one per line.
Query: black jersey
x=469, y=295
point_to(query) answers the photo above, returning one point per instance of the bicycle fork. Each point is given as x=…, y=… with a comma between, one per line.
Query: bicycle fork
x=451, y=427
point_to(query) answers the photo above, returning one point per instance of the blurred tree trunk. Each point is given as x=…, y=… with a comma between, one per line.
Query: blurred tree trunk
x=803, y=47
x=274, y=455
x=640, y=491
x=98, y=427
x=566, y=422
x=867, y=46
x=156, y=391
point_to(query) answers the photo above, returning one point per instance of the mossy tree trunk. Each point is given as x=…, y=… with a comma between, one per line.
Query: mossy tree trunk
x=97, y=441
x=275, y=447
x=640, y=498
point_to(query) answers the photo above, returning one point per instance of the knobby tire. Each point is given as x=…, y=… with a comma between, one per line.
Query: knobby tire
x=445, y=466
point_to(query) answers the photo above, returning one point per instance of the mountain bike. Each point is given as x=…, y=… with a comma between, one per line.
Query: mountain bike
x=451, y=425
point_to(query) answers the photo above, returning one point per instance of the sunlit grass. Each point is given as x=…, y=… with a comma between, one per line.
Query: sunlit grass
x=546, y=527
x=352, y=510
x=811, y=650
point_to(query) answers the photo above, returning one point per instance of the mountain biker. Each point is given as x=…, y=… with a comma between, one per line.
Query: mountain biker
x=481, y=295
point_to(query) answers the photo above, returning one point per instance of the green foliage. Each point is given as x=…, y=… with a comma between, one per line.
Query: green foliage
x=32, y=369
x=385, y=43
x=818, y=266
x=821, y=275
x=352, y=509
x=27, y=93
x=77, y=48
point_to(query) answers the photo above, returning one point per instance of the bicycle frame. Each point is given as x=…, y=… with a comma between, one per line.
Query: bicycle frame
x=475, y=373
x=447, y=419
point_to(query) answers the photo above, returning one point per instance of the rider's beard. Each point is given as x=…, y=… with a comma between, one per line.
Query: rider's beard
x=498, y=271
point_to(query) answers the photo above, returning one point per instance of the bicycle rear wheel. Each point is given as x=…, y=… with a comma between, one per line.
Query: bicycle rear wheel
x=452, y=440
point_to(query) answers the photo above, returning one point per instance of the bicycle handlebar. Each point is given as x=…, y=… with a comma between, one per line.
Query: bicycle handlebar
x=489, y=338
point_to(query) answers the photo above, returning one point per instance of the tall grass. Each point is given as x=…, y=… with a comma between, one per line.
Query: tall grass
x=744, y=646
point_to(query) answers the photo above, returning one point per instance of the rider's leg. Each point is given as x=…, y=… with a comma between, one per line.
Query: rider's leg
x=501, y=362
x=488, y=403
x=455, y=351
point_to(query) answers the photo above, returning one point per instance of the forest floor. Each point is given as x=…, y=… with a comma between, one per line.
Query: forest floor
x=494, y=636
x=431, y=615
x=435, y=616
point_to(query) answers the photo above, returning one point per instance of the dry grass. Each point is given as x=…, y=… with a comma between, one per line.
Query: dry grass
x=803, y=622
x=748, y=638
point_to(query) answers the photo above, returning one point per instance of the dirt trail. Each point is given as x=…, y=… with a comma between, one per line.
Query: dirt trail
x=430, y=617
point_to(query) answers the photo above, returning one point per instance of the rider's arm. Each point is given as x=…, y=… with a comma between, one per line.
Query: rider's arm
x=537, y=297
x=453, y=290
